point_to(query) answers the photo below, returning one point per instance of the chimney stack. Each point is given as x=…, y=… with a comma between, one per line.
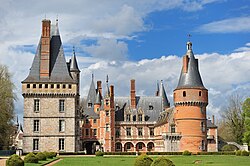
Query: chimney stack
x=213, y=119
x=132, y=94
x=185, y=64
x=99, y=87
x=45, y=49
x=112, y=96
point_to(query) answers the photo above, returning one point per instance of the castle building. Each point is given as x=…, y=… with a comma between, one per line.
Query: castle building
x=54, y=119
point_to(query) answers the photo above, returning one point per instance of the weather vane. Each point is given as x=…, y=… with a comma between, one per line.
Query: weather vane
x=189, y=36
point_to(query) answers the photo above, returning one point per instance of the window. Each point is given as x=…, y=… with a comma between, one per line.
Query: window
x=151, y=130
x=87, y=132
x=140, y=132
x=61, y=105
x=87, y=121
x=199, y=93
x=140, y=146
x=70, y=86
x=35, y=144
x=40, y=85
x=150, y=107
x=89, y=105
x=95, y=132
x=128, y=117
x=36, y=105
x=61, y=125
x=58, y=86
x=184, y=94
x=117, y=132
x=128, y=146
x=28, y=85
x=64, y=86
x=107, y=127
x=128, y=131
x=36, y=126
x=172, y=128
x=34, y=85
x=107, y=112
x=61, y=144
x=94, y=120
x=46, y=85
x=52, y=86
x=118, y=146
x=140, y=117
x=202, y=127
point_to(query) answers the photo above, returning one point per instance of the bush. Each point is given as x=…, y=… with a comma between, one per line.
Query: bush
x=14, y=160
x=30, y=158
x=99, y=153
x=41, y=156
x=143, y=160
x=238, y=153
x=229, y=148
x=244, y=153
x=162, y=161
x=186, y=153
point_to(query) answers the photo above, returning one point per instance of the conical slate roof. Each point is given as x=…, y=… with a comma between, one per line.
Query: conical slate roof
x=165, y=102
x=73, y=63
x=91, y=98
x=98, y=98
x=191, y=78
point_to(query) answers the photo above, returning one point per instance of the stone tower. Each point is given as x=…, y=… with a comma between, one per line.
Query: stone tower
x=190, y=100
x=51, y=97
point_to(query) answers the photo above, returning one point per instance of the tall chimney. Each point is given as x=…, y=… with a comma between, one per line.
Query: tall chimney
x=132, y=94
x=213, y=119
x=99, y=87
x=45, y=49
x=185, y=64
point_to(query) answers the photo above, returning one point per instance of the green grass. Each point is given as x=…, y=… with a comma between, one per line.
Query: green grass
x=40, y=162
x=217, y=160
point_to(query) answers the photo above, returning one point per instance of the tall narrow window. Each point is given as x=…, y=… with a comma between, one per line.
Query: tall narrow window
x=94, y=121
x=128, y=117
x=128, y=130
x=36, y=105
x=61, y=144
x=35, y=144
x=34, y=85
x=151, y=131
x=87, y=132
x=107, y=127
x=117, y=132
x=52, y=86
x=107, y=112
x=184, y=94
x=28, y=85
x=36, y=126
x=140, y=134
x=172, y=128
x=61, y=105
x=95, y=132
x=61, y=125
x=199, y=93
x=140, y=117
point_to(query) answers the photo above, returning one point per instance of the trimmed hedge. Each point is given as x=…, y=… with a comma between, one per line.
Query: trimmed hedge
x=41, y=156
x=215, y=153
x=143, y=160
x=162, y=161
x=186, y=153
x=50, y=154
x=238, y=153
x=244, y=153
x=14, y=160
x=30, y=158
x=99, y=153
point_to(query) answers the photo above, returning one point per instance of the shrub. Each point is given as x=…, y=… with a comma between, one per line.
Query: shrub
x=41, y=156
x=229, y=148
x=14, y=160
x=99, y=153
x=186, y=153
x=30, y=158
x=238, y=153
x=244, y=153
x=143, y=160
x=162, y=161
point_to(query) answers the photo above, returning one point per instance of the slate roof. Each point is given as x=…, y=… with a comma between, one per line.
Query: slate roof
x=210, y=124
x=165, y=102
x=59, y=71
x=192, y=78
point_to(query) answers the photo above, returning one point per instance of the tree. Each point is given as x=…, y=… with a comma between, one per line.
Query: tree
x=7, y=98
x=234, y=119
x=246, y=111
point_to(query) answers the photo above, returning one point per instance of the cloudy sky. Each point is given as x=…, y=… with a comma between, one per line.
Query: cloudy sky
x=144, y=40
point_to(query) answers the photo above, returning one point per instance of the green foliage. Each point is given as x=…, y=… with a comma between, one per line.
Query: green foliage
x=14, y=160
x=229, y=148
x=162, y=161
x=186, y=153
x=7, y=98
x=41, y=156
x=50, y=154
x=99, y=153
x=216, y=153
x=246, y=111
x=238, y=153
x=143, y=160
x=244, y=153
x=30, y=158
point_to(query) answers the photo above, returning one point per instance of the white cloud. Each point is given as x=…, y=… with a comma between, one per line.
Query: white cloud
x=242, y=49
x=231, y=25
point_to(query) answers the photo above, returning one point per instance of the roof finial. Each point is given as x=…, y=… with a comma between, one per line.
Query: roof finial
x=73, y=50
x=189, y=44
x=107, y=79
x=92, y=76
x=189, y=37
x=57, y=18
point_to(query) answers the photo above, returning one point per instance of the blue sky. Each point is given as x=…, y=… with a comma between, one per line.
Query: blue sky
x=143, y=40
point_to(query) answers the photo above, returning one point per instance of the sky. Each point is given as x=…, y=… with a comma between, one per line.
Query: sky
x=142, y=40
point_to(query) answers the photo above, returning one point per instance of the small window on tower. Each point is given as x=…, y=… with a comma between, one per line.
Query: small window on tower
x=64, y=86
x=34, y=85
x=70, y=86
x=40, y=85
x=184, y=94
x=52, y=86
x=199, y=93
x=46, y=85
x=28, y=85
x=58, y=86
x=150, y=107
x=89, y=105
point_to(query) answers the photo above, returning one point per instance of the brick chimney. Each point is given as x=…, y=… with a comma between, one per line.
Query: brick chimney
x=99, y=87
x=112, y=96
x=45, y=49
x=132, y=94
x=185, y=64
x=213, y=119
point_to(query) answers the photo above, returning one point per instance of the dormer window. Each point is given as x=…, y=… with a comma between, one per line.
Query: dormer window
x=89, y=105
x=150, y=107
x=140, y=117
x=128, y=118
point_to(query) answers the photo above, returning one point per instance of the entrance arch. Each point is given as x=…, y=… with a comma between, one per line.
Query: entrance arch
x=140, y=146
x=90, y=147
x=128, y=146
x=150, y=147
x=118, y=147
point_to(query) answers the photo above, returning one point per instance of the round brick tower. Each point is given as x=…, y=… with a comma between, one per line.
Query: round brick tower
x=190, y=100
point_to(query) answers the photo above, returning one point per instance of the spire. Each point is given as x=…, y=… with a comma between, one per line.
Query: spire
x=157, y=89
x=190, y=75
x=73, y=64
x=56, y=32
x=92, y=92
x=107, y=87
x=165, y=102
x=98, y=98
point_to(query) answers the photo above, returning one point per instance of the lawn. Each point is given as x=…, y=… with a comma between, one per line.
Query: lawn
x=217, y=160
x=40, y=162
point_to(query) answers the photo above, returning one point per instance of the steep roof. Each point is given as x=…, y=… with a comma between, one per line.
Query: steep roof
x=59, y=71
x=191, y=78
x=73, y=63
x=163, y=94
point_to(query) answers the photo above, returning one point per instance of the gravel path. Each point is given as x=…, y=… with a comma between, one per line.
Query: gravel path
x=2, y=161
